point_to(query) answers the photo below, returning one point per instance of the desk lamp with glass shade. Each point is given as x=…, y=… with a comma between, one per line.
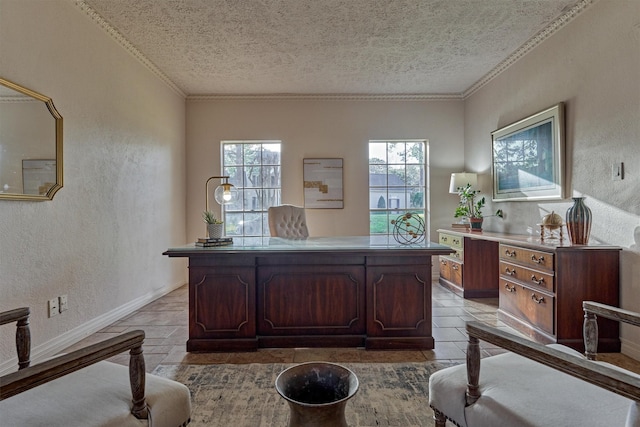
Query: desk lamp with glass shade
x=224, y=194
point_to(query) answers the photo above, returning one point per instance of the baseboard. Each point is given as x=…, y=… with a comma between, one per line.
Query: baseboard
x=630, y=349
x=69, y=338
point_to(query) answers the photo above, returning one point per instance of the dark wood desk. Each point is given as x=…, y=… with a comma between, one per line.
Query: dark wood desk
x=318, y=292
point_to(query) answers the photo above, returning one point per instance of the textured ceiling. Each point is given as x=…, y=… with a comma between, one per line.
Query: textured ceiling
x=303, y=47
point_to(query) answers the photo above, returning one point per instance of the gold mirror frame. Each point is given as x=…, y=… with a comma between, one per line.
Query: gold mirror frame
x=58, y=148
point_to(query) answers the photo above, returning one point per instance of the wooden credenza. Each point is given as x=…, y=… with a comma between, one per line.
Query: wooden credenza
x=540, y=286
x=330, y=292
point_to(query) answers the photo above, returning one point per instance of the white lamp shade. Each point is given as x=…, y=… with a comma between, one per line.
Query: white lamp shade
x=461, y=179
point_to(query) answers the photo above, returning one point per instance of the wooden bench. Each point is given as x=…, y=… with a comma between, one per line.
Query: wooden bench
x=81, y=388
x=537, y=385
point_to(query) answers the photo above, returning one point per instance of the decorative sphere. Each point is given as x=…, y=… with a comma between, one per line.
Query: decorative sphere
x=552, y=219
x=408, y=228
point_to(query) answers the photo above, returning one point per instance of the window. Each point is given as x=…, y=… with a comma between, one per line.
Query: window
x=254, y=169
x=397, y=184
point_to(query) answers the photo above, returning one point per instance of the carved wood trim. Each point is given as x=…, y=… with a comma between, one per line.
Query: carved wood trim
x=616, y=381
x=23, y=333
x=33, y=376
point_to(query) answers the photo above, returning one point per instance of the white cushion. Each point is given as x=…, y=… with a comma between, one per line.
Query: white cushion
x=516, y=391
x=99, y=395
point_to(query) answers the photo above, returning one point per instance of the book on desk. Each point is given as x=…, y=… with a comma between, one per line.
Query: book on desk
x=206, y=242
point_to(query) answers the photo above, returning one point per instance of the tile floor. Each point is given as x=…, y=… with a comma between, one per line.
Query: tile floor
x=165, y=324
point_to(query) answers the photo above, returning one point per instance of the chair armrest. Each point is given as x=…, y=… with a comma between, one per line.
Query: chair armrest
x=610, y=312
x=590, y=326
x=23, y=333
x=627, y=385
x=41, y=373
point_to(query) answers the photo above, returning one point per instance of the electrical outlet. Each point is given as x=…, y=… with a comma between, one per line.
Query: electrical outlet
x=53, y=307
x=62, y=303
x=617, y=171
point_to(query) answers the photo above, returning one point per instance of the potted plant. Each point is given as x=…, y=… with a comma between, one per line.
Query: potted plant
x=215, y=227
x=472, y=209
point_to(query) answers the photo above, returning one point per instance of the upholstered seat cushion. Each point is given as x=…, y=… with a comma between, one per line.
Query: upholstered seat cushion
x=99, y=395
x=508, y=400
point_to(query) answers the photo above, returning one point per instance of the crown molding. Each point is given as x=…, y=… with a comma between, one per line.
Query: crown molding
x=330, y=97
x=120, y=39
x=531, y=44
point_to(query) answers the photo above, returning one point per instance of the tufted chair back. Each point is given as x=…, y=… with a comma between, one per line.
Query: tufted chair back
x=288, y=221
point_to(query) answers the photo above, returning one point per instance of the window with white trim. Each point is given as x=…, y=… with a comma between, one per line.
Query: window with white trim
x=398, y=173
x=254, y=169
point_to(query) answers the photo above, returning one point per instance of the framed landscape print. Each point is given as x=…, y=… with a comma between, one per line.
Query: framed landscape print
x=528, y=158
x=323, y=184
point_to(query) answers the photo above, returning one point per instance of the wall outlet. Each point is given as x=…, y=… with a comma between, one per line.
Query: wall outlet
x=617, y=171
x=62, y=303
x=53, y=307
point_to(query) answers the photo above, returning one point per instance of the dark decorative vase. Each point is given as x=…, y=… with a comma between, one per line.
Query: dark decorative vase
x=579, y=222
x=317, y=393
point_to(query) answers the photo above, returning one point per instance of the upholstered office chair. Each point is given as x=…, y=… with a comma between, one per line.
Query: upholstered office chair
x=288, y=221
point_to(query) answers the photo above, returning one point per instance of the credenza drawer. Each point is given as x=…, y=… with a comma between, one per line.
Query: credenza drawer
x=529, y=305
x=527, y=276
x=528, y=257
x=451, y=270
x=455, y=242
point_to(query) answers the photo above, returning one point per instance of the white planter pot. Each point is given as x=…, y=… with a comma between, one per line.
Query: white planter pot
x=215, y=230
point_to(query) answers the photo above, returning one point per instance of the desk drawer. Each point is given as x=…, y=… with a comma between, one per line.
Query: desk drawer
x=451, y=270
x=455, y=242
x=528, y=257
x=531, y=306
x=527, y=276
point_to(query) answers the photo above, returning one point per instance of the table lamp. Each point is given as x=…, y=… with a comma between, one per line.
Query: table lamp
x=224, y=194
x=460, y=179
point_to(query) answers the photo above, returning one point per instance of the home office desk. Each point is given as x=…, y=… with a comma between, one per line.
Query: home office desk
x=317, y=292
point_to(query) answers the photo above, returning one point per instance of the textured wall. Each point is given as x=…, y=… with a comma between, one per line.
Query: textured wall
x=100, y=240
x=325, y=128
x=592, y=65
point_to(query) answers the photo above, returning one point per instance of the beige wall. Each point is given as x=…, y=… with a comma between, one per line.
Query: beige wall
x=324, y=128
x=128, y=179
x=592, y=65
x=100, y=240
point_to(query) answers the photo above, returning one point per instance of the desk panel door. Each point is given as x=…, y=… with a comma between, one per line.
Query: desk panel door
x=399, y=301
x=311, y=300
x=222, y=302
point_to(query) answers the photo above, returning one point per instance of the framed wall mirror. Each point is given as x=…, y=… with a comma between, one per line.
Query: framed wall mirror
x=30, y=144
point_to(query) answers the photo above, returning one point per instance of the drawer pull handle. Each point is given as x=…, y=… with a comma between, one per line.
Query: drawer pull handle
x=509, y=272
x=509, y=253
x=456, y=241
x=537, y=260
x=537, y=281
x=445, y=239
x=455, y=267
x=443, y=262
x=538, y=300
x=509, y=288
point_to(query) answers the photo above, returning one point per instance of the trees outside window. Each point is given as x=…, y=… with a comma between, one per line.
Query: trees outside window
x=254, y=169
x=397, y=183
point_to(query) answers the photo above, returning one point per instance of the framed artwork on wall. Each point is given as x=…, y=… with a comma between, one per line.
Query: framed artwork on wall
x=528, y=158
x=323, y=184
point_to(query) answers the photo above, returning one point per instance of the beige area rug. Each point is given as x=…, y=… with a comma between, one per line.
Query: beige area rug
x=390, y=394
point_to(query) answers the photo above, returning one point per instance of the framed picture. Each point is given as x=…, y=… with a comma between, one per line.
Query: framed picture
x=323, y=184
x=528, y=158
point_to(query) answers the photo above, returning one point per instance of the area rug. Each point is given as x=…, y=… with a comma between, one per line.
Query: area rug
x=244, y=395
